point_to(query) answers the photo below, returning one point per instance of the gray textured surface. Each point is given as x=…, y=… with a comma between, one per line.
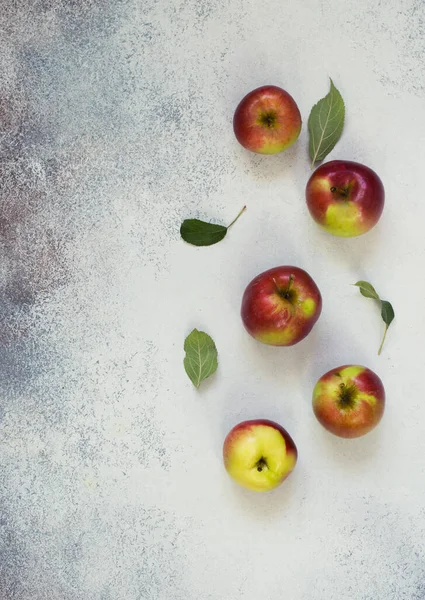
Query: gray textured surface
x=116, y=125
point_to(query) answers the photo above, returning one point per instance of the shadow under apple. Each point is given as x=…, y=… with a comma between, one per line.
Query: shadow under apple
x=266, y=506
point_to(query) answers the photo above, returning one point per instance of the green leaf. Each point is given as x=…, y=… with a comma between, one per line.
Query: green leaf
x=200, y=233
x=325, y=124
x=201, y=356
x=367, y=290
x=387, y=312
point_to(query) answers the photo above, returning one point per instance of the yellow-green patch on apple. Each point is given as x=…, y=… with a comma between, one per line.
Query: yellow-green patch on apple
x=259, y=454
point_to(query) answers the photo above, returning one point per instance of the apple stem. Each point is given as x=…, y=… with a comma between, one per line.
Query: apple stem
x=284, y=292
x=291, y=281
x=383, y=340
x=234, y=220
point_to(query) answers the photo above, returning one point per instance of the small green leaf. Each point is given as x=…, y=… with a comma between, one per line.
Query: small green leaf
x=387, y=312
x=201, y=356
x=367, y=290
x=325, y=124
x=200, y=233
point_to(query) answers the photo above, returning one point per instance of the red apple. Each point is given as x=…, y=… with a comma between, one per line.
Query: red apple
x=345, y=198
x=267, y=120
x=280, y=306
x=349, y=401
x=259, y=454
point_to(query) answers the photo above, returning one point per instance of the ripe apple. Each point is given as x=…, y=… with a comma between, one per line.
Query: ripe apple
x=280, y=306
x=349, y=401
x=267, y=120
x=259, y=454
x=345, y=198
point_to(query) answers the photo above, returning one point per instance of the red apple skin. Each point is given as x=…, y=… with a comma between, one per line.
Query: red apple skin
x=345, y=198
x=356, y=413
x=272, y=318
x=267, y=120
x=256, y=439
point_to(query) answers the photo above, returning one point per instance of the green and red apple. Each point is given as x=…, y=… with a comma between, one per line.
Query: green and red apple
x=281, y=306
x=345, y=198
x=267, y=120
x=349, y=401
x=259, y=454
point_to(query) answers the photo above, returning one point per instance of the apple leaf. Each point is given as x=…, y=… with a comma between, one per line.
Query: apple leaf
x=325, y=124
x=387, y=311
x=201, y=356
x=367, y=290
x=200, y=233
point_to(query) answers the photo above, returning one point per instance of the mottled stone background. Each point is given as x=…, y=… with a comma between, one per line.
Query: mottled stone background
x=115, y=121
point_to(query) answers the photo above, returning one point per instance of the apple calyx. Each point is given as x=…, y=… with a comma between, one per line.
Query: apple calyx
x=268, y=119
x=347, y=395
x=343, y=192
x=261, y=464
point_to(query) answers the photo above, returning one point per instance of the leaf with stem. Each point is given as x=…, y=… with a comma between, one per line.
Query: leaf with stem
x=325, y=124
x=387, y=311
x=387, y=314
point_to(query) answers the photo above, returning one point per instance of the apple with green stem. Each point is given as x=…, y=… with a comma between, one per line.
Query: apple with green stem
x=349, y=401
x=281, y=306
x=267, y=120
x=259, y=454
x=345, y=198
